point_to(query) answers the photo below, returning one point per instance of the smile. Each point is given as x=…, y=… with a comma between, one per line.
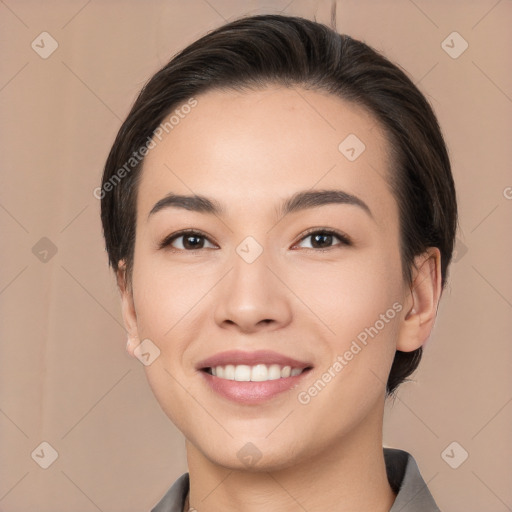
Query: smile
x=255, y=373
x=252, y=378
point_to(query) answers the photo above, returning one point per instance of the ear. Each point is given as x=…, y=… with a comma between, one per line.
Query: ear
x=128, y=308
x=422, y=301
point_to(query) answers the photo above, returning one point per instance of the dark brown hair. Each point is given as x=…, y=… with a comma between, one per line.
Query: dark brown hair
x=256, y=51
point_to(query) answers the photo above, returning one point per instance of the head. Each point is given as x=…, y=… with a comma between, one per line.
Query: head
x=248, y=116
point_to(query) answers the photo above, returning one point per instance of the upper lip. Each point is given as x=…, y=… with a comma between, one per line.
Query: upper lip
x=236, y=357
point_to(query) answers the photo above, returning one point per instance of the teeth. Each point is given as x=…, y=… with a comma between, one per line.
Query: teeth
x=259, y=373
x=242, y=372
x=229, y=372
x=287, y=370
x=256, y=373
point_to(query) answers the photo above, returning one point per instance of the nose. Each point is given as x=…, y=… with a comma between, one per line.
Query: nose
x=252, y=297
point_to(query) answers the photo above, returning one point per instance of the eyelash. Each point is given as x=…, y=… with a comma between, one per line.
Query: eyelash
x=344, y=239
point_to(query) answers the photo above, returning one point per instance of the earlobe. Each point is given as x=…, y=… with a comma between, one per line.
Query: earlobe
x=128, y=308
x=131, y=344
x=425, y=293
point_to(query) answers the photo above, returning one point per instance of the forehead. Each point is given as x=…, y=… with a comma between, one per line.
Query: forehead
x=250, y=148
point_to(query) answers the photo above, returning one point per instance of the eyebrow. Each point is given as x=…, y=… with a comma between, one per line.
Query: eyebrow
x=299, y=201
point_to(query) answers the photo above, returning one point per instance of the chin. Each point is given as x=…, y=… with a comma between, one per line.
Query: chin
x=254, y=456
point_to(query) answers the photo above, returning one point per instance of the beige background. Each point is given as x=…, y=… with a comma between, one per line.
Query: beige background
x=64, y=375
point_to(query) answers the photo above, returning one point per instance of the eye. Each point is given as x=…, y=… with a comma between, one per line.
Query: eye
x=186, y=241
x=325, y=238
x=190, y=240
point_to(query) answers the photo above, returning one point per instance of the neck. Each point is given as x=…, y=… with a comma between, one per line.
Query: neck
x=349, y=476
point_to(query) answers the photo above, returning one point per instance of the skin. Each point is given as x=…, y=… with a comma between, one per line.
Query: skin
x=249, y=151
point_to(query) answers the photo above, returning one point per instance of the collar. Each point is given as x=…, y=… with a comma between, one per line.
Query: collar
x=403, y=475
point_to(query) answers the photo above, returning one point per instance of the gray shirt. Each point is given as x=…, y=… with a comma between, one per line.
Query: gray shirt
x=403, y=475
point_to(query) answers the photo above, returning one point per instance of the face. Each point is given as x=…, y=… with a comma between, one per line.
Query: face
x=316, y=279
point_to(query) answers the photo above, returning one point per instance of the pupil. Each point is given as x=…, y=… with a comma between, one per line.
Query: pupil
x=193, y=245
x=326, y=239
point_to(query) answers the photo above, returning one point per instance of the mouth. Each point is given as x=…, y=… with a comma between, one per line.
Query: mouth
x=254, y=373
x=252, y=377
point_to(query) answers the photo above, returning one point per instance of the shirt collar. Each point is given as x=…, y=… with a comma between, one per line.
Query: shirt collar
x=405, y=478
x=403, y=475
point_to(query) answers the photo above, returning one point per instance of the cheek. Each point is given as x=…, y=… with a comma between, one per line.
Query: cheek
x=166, y=294
x=359, y=304
x=166, y=302
x=350, y=295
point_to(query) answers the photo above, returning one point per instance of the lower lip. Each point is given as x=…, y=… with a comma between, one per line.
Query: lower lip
x=248, y=392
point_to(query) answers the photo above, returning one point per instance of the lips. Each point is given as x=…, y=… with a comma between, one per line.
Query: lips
x=248, y=390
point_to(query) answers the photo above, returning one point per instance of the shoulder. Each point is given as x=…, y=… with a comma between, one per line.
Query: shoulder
x=405, y=479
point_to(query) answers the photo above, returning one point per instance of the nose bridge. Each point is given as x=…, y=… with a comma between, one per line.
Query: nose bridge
x=251, y=296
